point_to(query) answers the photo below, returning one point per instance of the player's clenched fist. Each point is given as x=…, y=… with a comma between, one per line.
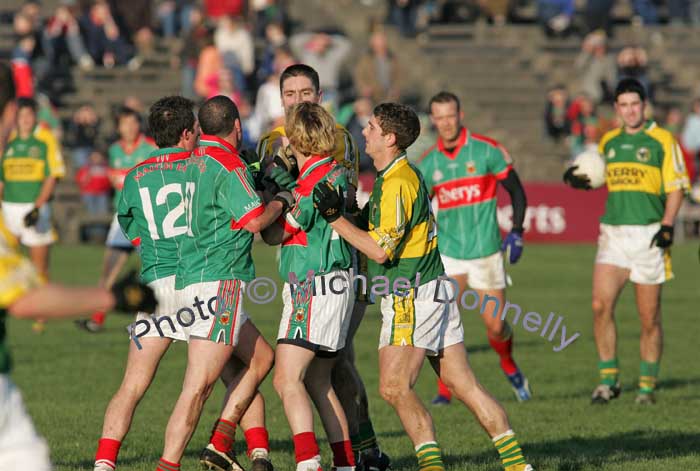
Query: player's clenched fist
x=328, y=200
x=130, y=295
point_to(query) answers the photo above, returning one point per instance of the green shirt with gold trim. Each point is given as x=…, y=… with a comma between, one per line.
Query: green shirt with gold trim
x=641, y=169
x=401, y=221
x=24, y=168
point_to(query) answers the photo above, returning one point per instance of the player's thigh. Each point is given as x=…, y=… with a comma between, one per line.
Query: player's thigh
x=648, y=299
x=205, y=361
x=291, y=362
x=492, y=303
x=399, y=366
x=251, y=343
x=143, y=360
x=452, y=366
x=608, y=281
x=650, y=265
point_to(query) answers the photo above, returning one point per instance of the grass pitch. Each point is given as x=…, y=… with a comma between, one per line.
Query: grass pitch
x=67, y=377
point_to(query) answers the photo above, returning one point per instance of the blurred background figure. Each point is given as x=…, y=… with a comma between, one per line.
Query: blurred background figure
x=557, y=124
x=596, y=67
x=378, y=74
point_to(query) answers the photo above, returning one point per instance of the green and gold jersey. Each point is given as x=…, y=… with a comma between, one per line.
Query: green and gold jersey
x=463, y=180
x=401, y=221
x=345, y=153
x=314, y=245
x=220, y=200
x=122, y=157
x=151, y=211
x=641, y=169
x=24, y=168
x=17, y=277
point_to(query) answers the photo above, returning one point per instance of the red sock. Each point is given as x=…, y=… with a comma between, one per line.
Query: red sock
x=107, y=452
x=305, y=446
x=342, y=454
x=223, y=434
x=98, y=317
x=257, y=437
x=164, y=465
x=504, y=348
x=443, y=390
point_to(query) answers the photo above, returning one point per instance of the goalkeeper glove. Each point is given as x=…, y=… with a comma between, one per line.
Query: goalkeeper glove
x=284, y=158
x=130, y=295
x=513, y=245
x=663, y=238
x=282, y=178
x=580, y=182
x=329, y=201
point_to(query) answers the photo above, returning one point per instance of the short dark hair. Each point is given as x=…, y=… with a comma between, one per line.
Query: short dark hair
x=125, y=111
x=444, y=97
x=168, y=118
x=218, y=115
x=630, y=85
x=26, y=102
x=301, y=70
x=400, y=120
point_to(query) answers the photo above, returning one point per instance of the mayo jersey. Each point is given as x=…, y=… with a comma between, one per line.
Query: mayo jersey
x=220, y=200
x=122, y=157
x=24, y=168
x=401, y=221
x=345, y=153
x=17, y=277
x=464, y=181
x=640, y=169
x=314, y=245
x=151, y=210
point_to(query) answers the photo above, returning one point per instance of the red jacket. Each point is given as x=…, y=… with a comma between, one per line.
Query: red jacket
x=218, y=8
x=93, y=180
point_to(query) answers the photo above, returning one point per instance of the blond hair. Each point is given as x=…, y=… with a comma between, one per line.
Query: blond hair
x=310, y=129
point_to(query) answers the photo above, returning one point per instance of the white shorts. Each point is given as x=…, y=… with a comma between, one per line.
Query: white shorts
x=482, y=273
x=116, y=239
x=319, y=321
x=419, y=320
x=40, y=234
x=210, y=310
x=20, y=445
x=629, y=247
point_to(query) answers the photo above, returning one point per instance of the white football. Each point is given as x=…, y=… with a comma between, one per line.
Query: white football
x=591, y=165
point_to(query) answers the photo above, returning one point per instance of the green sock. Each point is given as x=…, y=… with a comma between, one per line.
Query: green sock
x=429, y=457
x=509, y=451
x=648, y=372
x=608, y=372
x=365, y=438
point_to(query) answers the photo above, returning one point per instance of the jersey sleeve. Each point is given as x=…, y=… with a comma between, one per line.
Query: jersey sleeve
x=499, y=162
x=396, y=209
x=673, y=171
x=301, y=216
x=240, y=198
x=125, y=215
x=54, y=155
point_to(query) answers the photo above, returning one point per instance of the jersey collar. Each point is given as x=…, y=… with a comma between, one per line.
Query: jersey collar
x=130, y=147
x=215, y=141
x=400, y=158
x=312, y=164
x=463, y=137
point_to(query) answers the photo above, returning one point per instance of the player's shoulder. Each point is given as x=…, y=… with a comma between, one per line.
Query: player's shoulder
x=221, y=157
x=656, y=132
x=115, y=147
x=44, y=133
x=403, y=175
x=610, y=135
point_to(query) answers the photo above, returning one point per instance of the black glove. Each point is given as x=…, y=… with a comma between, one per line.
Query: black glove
x=576, y=181
x=130, y=295
x=32, y=217
x=663, y=238
x=329, y=201
x=284, y=158
x=250, y=158
x=286, y=198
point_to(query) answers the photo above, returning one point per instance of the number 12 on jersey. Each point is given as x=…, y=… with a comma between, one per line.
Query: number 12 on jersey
x=162, y=211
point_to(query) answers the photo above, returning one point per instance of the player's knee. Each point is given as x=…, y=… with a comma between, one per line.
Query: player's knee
x=599, y=307
x=393, y=391
x=283, y=382
x=263, y=360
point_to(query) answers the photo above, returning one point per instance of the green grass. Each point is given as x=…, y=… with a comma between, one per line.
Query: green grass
x=67, y=377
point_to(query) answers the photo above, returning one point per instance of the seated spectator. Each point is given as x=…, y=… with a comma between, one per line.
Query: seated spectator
x=82, y=134
x=598, y=16
x=26, y=55
x=646, y=11
x=378, y=72
x=274, y=39
x=632, y=63
x=63, y=39
x=326, y=54
x=269, y=112
x=196, y=38
x=235, y=44
x=690, y=137
x=555, y=16
x=174, y=16
x=265, y=13
x=596, y=68
x=555, y=114
x=403, y=14
x=106, y=44
x=135, y=20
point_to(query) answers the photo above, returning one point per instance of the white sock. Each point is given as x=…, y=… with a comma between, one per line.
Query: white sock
x=313, y=464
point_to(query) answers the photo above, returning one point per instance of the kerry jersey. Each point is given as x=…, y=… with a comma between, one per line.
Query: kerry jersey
x=24, y=168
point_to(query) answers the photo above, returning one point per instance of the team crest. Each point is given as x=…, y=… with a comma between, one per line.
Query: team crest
x=611, y=154
x=643, y=154
x=471, y=167
x=299, y=314
x=34, y=152
x=437, y=175
x=224, y=317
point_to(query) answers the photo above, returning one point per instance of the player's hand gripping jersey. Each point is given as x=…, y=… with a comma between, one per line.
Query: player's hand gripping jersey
x=464, y=182
x=151, y=210
x=640, y=169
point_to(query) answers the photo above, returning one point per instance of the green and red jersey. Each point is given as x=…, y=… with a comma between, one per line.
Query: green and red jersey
x=151, y=210
x=314, y=245
x=463, y=180
x=220, y=201
x=123, y=156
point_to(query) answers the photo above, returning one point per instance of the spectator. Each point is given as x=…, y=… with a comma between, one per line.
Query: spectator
x=404, y=14
x=497, y=10
x=325, y=53
x=586, y=127
x=632, y=63
x=135, y=18
x=555, y=115
x=26, y=55
x=215, y=9
x=196, y=38
x=555, y=16
x=235, y=44
x=105, y=42
x=94, y=183
x=598, y=16
x=269, y=112
x=646, y=11
x=174, y=16
x=378, y=72
x=209, y=65
x=274, y=39
x=596, y=67
x=82, y=132
x=265, y=13
x=690, y=137
x=62, y=36
x=358, y=119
